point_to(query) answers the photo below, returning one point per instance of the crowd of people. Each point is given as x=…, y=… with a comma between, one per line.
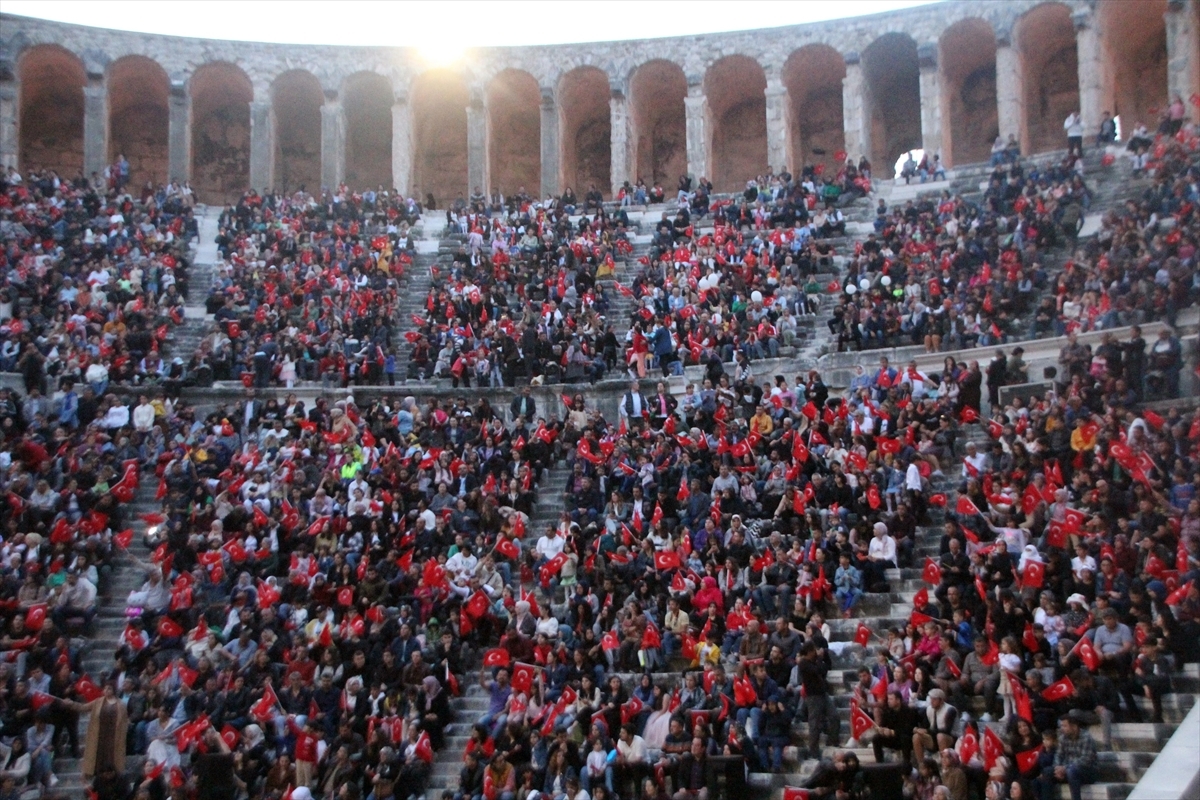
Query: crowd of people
x=951, y=274
x=529, y=294
x=323, y=583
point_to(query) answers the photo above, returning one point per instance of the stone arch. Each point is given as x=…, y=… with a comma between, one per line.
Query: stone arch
x=656, y=95
x=221, y=96
x=813, y=76
x=440, y=99
x=367, y=103
x=737, y=116
x=139, y=118
x=50, y=132
x=1136, y=34
x=892, y=73
x=967, y=59
x=296, y=99
x=586, y=125
x=514, y=132
x=1050, y=69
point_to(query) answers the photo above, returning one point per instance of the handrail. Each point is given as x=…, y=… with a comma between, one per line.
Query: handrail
x=1175, y=773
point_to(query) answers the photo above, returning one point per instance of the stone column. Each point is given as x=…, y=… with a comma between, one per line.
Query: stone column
x=179, y=134
x=856, y=109
x=333, y=141
x=619, y=140
x=550, y=155
x=262, y=147
x=9, y=148
x=95, y=125
x=931, y=102
x=1092, y=70
x=696, y=106
x=402, y=154
x=1010, y=109
x=1183, y=50
x=477, y=142
x=777, y=123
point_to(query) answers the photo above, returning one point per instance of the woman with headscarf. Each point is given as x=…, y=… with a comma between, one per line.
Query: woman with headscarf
x=435, y=711
x=1029, y=554
x=954, y=777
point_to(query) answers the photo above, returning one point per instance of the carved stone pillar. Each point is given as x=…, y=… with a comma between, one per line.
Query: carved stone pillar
x=262, y=147
x=402, y=145
x=777, y=123
x=931, y=101
x=1092, y=72
x=1009, y=108
x=696, y=107
x=333, y=141
x=619, y=140
x=476, y=142
x=9, y=92
x=550, y=157
x=1183, y=50
x=95, y=125
x=856, y=108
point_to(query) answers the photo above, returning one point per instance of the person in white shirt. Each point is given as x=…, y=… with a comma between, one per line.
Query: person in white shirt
x=117, y=416
x=1081, y=563
x=462, y=564
x=143, y=415
x=631, y=756
x=549, y=545
x=975, y=463
x=881, y=555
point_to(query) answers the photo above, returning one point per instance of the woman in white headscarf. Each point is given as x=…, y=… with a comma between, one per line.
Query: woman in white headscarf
x=1030, y=553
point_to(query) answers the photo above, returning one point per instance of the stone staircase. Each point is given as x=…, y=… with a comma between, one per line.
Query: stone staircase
x=185, y=338
x=473, y=703
x=99, y=647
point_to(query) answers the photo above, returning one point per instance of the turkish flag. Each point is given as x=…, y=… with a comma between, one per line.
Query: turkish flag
x=888, y=445
x=879, y=690
x=993, y=748
x=743, y=692
x=932, y=573
x=631, y=709
x=230, y=735
x=169, y=628
x=1034, y=574
x=921, y=598
x=496, y=657
x=873, y=499
x=917, y=618
x=523, y=676
x=1027, y=760
x=345, y=596
x=965, y=507
x=860, y=723
x=87, y=689
x=1028, y=639
x=995, y=429
x=968, y=745
x=794, y=793
x=937, y=500
x=1073, y=520
x=478, y=605
x=1056, y=535
x=862, y=635
x=124, y=539
x=992, y=656
x=508, y=548
x=968, y=414
x=1059, y=690
x=952, y=667
x=424, y=749
x=809, y=410
x=1020, y=697
x=1087, y=654
x=610, y=641
x=1176, y=597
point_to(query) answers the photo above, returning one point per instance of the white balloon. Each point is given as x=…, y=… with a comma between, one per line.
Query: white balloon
x=851, y=288
x=756, y=297
x=885, y=280
x=864, y=284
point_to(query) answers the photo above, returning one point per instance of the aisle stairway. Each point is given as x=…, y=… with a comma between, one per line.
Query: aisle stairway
x=98, y=648
x=197, y=321
x=473, y=703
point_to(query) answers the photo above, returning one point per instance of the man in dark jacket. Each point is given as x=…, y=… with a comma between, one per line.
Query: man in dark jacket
x=895, y=723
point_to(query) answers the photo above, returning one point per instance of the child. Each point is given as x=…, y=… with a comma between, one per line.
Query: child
x=1010, y=665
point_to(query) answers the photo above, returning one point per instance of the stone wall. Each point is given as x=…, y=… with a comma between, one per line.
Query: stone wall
x=1049, y=58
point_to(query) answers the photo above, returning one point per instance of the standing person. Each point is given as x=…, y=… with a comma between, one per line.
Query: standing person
x=1073, y=125
x=107, y=728
x=818, y=705
x=997, y=373
x=215, y=776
